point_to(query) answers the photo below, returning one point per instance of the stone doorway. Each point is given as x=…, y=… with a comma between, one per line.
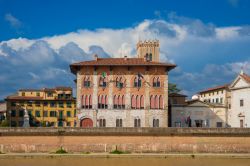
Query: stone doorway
x=86, y=123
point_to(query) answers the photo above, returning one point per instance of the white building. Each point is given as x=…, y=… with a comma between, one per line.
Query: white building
x=239, y=113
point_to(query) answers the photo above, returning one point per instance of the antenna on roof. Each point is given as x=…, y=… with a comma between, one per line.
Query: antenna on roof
x=241, y=70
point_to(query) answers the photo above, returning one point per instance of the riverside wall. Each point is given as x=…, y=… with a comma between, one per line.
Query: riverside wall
x=134, y=140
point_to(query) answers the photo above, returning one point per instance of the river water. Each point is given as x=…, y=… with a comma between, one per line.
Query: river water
x=122, y=161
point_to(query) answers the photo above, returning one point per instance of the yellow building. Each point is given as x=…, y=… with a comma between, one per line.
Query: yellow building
x=46, y=107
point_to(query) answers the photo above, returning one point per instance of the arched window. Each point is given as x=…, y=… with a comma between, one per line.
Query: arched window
x=137, y=102
x=90, y=101
x=86, y=102
x=161, y=102
x=142, y=102
x=152, y=102
x=99, y=101
x=133, y=102
x=106, y=102
x=150, y=57
x=123, y=102
x=138, y=80
x=158, y=83
x=115, y=102
x=156, y=102
x=119, y=102
x=103, y=82
x=83, y=101
x=137, y=122
x=86, y=82
x=154, y=82
x=120, y=82
x=103, y=101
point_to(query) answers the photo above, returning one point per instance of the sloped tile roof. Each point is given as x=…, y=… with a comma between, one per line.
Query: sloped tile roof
x=245, y=77
x=215, y=88
x=119, y=62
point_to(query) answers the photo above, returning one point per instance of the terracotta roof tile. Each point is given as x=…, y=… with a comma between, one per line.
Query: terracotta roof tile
x=245, y=77
x=215, y=88
x=23, y=98
x=120, y=62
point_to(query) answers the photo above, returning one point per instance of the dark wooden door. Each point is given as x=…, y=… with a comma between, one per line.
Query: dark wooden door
x=241, y=123
x=86, y=123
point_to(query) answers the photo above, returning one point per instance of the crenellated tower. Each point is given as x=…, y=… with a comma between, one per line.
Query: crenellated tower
x=149, y=49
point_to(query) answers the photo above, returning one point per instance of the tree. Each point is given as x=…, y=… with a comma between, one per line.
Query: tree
x=172, y=88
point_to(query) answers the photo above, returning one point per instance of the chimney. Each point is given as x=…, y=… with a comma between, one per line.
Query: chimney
x=125, y=57
x=96, y=57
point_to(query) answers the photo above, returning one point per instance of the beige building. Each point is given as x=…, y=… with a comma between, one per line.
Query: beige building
x=123, y=92
x=2, y=111
x=196, y=113
x=239, y=112
x=46, y=107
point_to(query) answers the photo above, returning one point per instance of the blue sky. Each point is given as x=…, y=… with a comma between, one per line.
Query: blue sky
x=208, y=39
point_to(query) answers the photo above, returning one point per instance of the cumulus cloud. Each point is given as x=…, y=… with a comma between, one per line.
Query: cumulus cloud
x=206, y=55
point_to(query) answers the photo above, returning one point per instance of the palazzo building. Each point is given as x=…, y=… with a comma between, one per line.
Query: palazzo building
x=123, y=92
x=53, y=107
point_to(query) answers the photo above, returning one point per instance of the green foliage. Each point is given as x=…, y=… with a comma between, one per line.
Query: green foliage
x=61, y=151
x=116, y=151
x=172, y=88
x=43, y=124
x=4, y=123
x=85, y=152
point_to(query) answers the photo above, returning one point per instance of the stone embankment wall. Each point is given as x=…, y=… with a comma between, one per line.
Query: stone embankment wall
x=138, y=140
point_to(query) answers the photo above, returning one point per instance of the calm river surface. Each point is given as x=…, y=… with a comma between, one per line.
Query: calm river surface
x=107, y=160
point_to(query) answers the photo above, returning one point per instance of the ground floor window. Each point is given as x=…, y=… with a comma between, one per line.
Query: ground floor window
x=68, y=124
x=102, y=123
x=13, y=124
x=219, y=124
x=198, y=123
x=155, y=122
x=241, y=123
x=20, y=123
x=137, y=122
x=118, y=122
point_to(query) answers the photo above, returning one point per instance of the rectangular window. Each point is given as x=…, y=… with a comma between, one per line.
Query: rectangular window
x=21, y=113
x=241, y=102
x=217, y=100
x=60, y=103
x=219, y=124
x=68, y=104
x=221, y=100
x=23, y=93
x=52, y=104
x=229, y=106
x=38, y=114
x=118, y=122
x=45, y=103
x=13, y=104
x=68, y=124
x=30, y=113
x=29, y=103
x=68, y=113
x=37, y=94
x=37, y=103
x=50, y=94
x=52, y=113
x=13, y=113
x=45, y=113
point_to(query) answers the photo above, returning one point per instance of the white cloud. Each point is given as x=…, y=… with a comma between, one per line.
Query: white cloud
x=200, y=50
x=13, y=21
